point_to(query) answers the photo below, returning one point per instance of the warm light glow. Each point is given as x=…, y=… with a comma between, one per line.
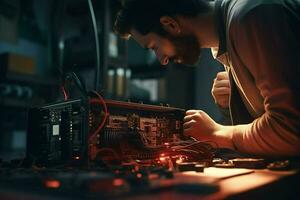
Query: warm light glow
x=52, y=184
x=118, y=182
x=139, y=175
x=77, y=158
x=162, y=159
x=180, y=160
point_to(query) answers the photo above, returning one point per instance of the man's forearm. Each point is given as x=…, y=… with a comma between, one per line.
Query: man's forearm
x=263, y=137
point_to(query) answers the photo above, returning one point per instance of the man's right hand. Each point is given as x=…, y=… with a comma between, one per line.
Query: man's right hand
x=221, y=89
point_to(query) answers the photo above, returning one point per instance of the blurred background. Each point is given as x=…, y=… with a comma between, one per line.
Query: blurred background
x=40, y=40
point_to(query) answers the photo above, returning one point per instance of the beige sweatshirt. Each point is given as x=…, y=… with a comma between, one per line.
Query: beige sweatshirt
x=260, y=45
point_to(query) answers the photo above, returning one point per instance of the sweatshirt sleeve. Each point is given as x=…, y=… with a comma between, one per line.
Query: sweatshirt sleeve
x=267, y=42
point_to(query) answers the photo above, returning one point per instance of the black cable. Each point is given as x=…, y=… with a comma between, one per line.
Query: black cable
x=78, y=82
x=97, y=86
x=57, y=23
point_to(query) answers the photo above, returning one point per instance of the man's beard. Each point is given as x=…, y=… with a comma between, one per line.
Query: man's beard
x=187, y=49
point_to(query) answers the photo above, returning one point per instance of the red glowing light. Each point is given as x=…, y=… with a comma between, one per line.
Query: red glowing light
x=52, y=184
x=139, y=175
x=118, y=182
x=167, y=143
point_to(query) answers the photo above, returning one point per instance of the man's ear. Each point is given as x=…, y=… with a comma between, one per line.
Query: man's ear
x=170, y=25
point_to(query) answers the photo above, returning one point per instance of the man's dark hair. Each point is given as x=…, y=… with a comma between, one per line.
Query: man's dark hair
x=144, y=15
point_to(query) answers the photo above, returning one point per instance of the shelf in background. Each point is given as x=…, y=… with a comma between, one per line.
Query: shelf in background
x=16, y=103
x=32, y=79
x=147, y=71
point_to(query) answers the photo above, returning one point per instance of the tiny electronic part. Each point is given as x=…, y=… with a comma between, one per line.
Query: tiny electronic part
x=279, y=165
x=224, y=165
x=199, y=167
x=218, y=161
x=186, y=166
x=250, y=163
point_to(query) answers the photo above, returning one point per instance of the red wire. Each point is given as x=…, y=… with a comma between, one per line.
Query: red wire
x=64, y=93
x=101, y=102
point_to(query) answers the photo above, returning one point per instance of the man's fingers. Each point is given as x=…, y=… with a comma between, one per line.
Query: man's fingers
x=222, y=83
x=188, y=124
x=221, y=91
x=191, y=117
x=191, y=112
x=188, y=118
x=222, y=75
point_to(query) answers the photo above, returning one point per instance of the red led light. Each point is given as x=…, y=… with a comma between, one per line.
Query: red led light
x=118, y=182
x=139, y=175
x=52, y=184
